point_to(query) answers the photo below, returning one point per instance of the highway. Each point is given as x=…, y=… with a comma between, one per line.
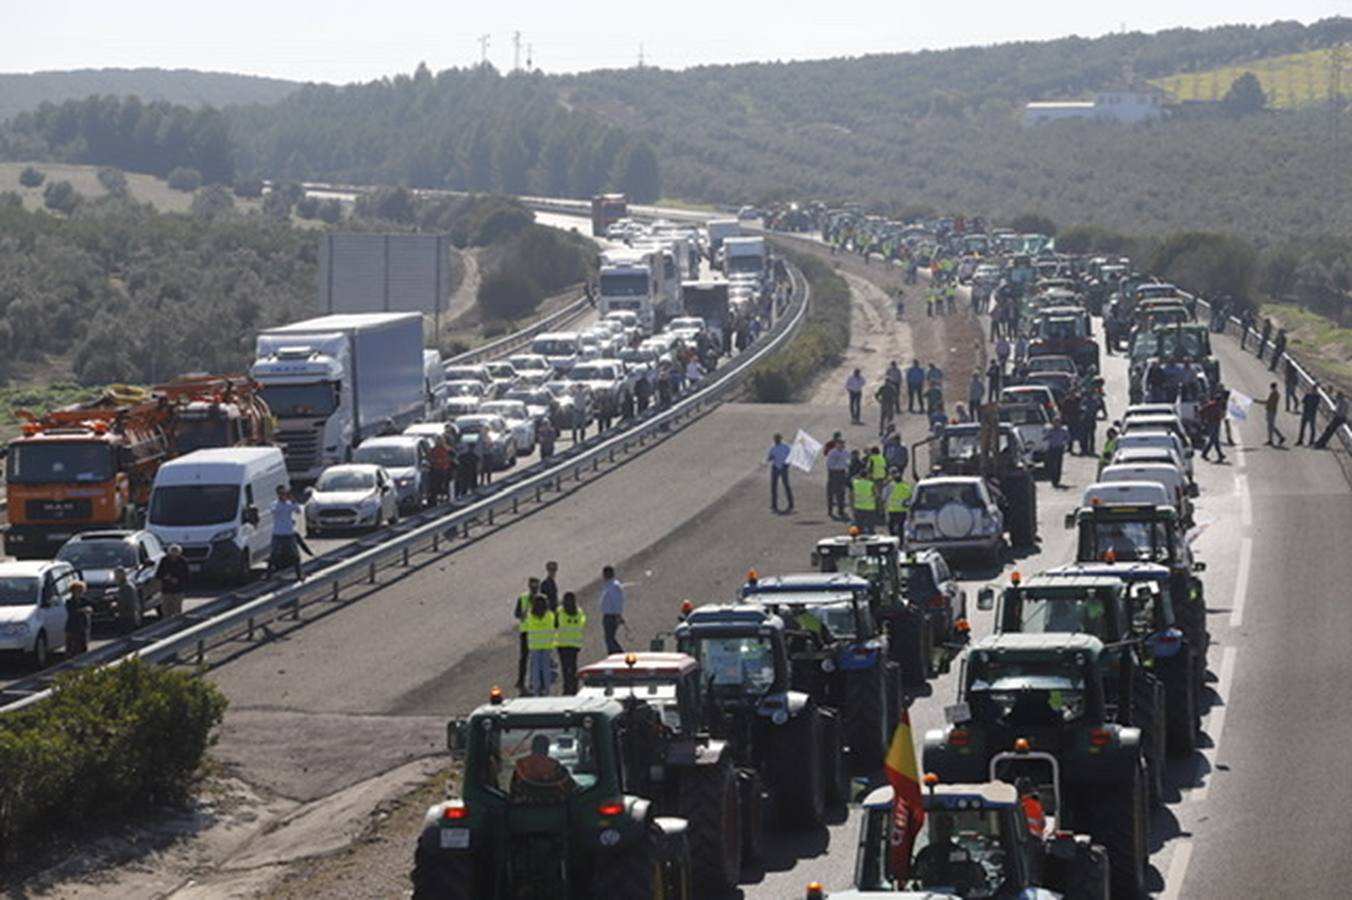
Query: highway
x=367, y=686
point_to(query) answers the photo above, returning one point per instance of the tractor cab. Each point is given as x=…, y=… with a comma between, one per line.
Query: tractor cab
x=869, y=556
x=667, y=683
x=741, y=653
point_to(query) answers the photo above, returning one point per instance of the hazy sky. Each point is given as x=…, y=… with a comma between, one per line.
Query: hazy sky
x=340, y=41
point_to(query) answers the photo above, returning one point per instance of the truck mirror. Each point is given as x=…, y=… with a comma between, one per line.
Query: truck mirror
x=250, y=515
x=457, y=736
x=1070, y=520
x=985, y=599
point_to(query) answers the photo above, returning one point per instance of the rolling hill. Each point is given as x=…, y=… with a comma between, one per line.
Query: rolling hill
x=187, y=87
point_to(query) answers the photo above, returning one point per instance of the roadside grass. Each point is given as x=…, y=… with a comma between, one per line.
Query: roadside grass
x=1289, y=80
x=818, y=346
x=1317, y=341
x=142, y=188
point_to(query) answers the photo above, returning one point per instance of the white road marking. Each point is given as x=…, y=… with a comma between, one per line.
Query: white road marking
x=1245, y=501
x=1214, y=725
x=1178, y=870
x=1241, y=583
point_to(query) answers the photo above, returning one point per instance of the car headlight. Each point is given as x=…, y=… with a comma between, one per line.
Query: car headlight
x=406, y=481
x=14, y=629
x=226, y=535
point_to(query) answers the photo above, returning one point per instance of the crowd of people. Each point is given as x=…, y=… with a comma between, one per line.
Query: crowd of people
x=552, y=627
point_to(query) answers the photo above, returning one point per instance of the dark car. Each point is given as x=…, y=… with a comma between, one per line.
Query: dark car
x=929, y=585
x=96, y=554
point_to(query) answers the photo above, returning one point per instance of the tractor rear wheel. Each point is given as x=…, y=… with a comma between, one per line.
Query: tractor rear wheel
x=796, y=780
x=866, y=717
x=1149, y=713
x=1021, y=508
x=913, y=643
x=752, y=790
x=833, y=760
x=1119, y=820
x=635, y=872
x=1180, y=688
x=709, y=801
x=442, y=876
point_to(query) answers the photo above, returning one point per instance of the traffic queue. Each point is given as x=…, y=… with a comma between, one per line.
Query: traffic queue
x=758, y=708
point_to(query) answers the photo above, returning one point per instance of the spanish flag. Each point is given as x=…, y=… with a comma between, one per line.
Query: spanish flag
x=908, y=810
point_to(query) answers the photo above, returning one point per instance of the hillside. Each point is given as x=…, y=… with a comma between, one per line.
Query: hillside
x=1288, y=80
x=22, y=92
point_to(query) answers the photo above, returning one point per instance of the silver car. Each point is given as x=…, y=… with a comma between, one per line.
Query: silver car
x=405, y=458
x=353, y=495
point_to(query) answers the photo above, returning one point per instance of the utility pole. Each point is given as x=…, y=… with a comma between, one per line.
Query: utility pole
x=484, y=41
x=516, y=51
x=640, y=54
x=530, y=55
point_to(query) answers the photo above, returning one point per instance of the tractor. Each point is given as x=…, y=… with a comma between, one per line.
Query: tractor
x=672, y=760
x=924, y=614
x=1043, y=696
x=545, y=811
x=838, y=654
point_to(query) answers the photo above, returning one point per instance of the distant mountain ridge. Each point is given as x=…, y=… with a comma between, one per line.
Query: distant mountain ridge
x=189, y=87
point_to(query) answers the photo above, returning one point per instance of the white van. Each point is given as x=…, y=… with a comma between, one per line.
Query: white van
x=561, y=348
x=1171, y=477
x=217, y=505
x=1130, y=493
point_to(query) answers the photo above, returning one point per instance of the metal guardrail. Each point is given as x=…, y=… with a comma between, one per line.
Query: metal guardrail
x=187, y=636
x=518, y=339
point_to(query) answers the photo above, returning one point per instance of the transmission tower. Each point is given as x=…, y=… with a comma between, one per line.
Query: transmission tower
x=484, y=41
x=640, y=55
x=530, y=56
x=516, y=51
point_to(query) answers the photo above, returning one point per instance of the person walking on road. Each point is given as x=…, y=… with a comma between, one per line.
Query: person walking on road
x=1278, y=348
x=898, y=493
x=915, y=387
x=550, y=585
x=174, y=573
x=285, y=542
x=539, y=628
x=547, y=434
x=994, y=377
x=837, y=478
x=1058, y=439
x=1338, y=421
x=864, y=501
x=78, y=620
x=612, y=608
x=1292, y=386
x=976, y=392
x=439, y=458
x=886, y=396
x=520, y=611
x=778, y=458
x=1309, y=411
x=1212, y=413
x=1272, y=405
x=568, y=639
x=934, y=399
x=854, y=386
x=1267, y=335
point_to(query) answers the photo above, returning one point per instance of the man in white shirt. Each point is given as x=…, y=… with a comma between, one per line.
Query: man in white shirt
x=837, y=477
x=285, y=538
x=778, y=457
x=612, y=608
x=854, y=386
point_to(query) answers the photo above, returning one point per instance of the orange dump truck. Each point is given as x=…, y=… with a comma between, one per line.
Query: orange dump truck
x=216, y=411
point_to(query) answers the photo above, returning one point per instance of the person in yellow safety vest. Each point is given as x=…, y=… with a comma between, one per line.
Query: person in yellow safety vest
x=568, y=639
x=898, y=503
x=877, y=465
x=541, y=627
x=1109, y=448
x=520, y=611
x=865, y=502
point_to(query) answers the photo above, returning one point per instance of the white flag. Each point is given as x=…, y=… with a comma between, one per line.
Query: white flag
x=804, y=452
x=1239, y=406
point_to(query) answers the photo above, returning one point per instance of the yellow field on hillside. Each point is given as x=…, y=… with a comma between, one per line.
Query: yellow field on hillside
x=1295, y=79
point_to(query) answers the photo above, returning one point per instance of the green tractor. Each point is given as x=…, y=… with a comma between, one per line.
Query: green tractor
x=1035, y=706
x=672, y=760
x=544, y=811
x=912, y=595
x=976, y=842
x=791, y=744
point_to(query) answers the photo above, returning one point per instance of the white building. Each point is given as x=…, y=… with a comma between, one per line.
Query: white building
x=1127, y=107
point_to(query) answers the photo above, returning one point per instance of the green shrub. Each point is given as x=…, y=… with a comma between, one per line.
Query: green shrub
x=114, y=180
x=31, y=177
x=508, y=295
x=820, y=344
x=61, y=196
x=184, y=179
x=248, y=186
x=107, y=741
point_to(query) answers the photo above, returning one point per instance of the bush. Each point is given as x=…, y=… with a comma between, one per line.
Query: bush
x=107, y=741
x=249, y=187
x=184, y=179
x=307, y=207
x=212, y=200
x=61, y=196
x=508, y=295
x=820, y=344
x=331, y=211
x=31, y=177
x=114, y=180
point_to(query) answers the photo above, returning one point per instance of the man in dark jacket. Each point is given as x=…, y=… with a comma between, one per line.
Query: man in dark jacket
x=173, y=573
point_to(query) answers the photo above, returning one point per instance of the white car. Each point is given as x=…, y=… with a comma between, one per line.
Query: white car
x=687, y=328
x=1134, y=439
x=540, y=403
x=1170, y=477
x=1032, y=393
x=531, y=368
x=433, y=430
x=352, y=495
x=33, y=598
x=405, y=458
x=1032, y=422
x=464, y=397
x=954, y=515
x=504, y=377
x=1129, y=493
x=519, y=421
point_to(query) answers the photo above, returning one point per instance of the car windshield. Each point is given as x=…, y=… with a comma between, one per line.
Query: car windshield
x=1142, y=541
x=917, y=581
x=391, y=456
x=1058, y=329
x=19, y=590
x=290, y=401
x=960, y=848
x=555, y=348
x=638, y=356
x=590, y=373
x=531, y=398
x=501, y=370
x=745, y=662
x=346, y=480
x=206, y=431
x=55, y=463
x=1058, y=611
x=467, y=373
x=194, y=504
x=936, y=496
x=98, y=554
x=1023, y=414
x=1184, y=342
x=624, y=285
x=1051, y=364
x=516, y=761
x=522, y=363
x=508, y=409
x=1025, y=692
x=465, y=389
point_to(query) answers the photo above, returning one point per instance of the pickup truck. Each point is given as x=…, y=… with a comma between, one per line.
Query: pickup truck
x=606, y=381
